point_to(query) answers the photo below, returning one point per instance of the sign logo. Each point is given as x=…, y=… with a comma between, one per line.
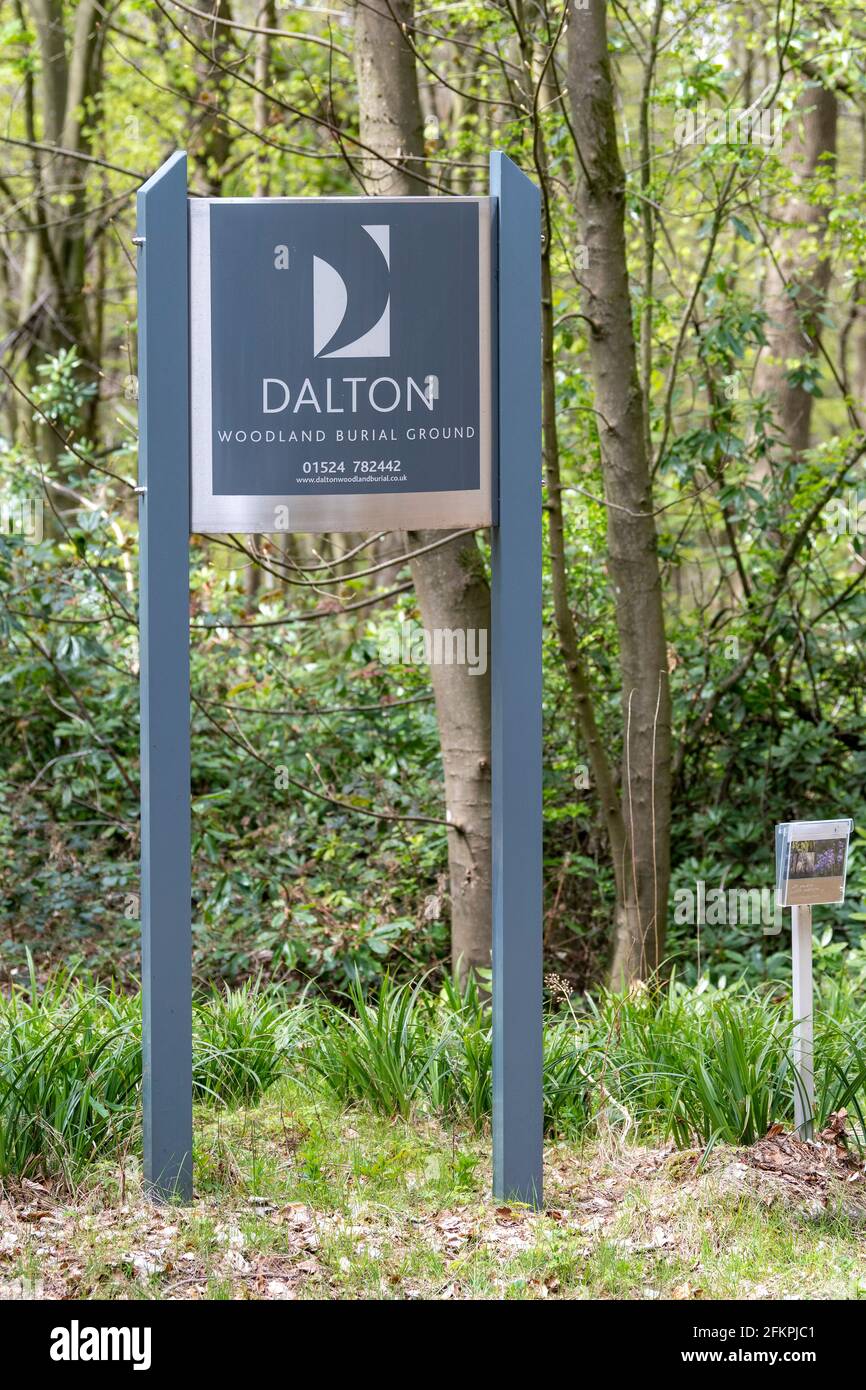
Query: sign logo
x=332, y=311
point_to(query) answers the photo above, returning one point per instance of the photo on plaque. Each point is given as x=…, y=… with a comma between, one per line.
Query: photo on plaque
x=812, y=861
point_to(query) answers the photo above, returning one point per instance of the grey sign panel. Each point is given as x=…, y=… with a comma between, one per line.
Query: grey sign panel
x=340, y=363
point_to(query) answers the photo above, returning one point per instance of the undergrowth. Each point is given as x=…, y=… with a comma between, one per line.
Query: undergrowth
x=695, y=1065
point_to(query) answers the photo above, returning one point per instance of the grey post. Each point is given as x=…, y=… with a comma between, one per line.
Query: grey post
x=804, y=1064
x=166, y=939
x=516, y=675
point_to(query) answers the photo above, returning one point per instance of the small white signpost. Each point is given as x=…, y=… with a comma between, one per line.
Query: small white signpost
x=811, y=864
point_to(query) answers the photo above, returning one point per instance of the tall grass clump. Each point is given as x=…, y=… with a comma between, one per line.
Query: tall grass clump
x=840, y=1069
x=70, y=1070
x=412, y=1050
x=70, y=1066
x=459, y=1081
x=241, y=1039
x=376, y=1052
x=567, y=1081
x=706, y=1064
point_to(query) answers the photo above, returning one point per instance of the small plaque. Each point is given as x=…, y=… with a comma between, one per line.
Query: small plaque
x=811, y=862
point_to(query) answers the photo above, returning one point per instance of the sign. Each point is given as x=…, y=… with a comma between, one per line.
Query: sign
x=341, y=368
x=328, y=364
x=811, y=862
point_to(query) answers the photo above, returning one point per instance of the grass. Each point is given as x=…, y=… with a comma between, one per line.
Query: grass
x=299, y=1197
x=70, y=1068
x=242, y=1039
x=708, y=1066
x=344, y=1151
x=714, y=1065
x=381, y=1053
x=702, y=1065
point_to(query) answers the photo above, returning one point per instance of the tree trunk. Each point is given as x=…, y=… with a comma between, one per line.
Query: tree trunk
x=71, y=76
x=632, y=556
x=603, y=777
x=799, y=270
x=392, y=124
x=453, y=593
x=569, y=646
x=450, y=582
x=266, y=18
x=214, y=137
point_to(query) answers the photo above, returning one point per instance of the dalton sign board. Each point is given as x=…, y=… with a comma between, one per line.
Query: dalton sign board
x=340, y=363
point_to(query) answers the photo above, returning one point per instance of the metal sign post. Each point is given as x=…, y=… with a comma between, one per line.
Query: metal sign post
x=516, y=676
x=163, y=473
x=278, y=338
x=804, y=1067
x=811, y=868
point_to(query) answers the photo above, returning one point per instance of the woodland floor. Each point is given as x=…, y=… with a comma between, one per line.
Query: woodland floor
x=297, y=1200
